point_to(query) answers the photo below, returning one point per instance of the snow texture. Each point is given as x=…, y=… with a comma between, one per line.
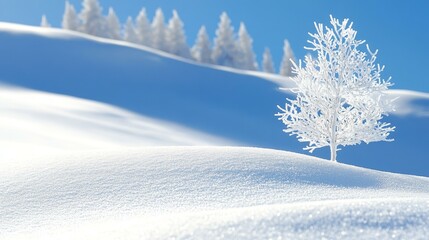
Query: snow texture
x=232, y=104
x=68, y=169
x=206, y=193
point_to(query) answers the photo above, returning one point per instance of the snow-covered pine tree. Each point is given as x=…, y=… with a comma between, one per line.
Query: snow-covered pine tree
x=176, y=38
x=70, y=18
x=224, y=49
x=246, y=58
x=130, y=34
x=286, y=64
x=143, y=28
x=267, y=62
x=93, y=22
x=113, y=25
x=201, y=51
x=158, y=31
x=44, y=22
x=340, y=94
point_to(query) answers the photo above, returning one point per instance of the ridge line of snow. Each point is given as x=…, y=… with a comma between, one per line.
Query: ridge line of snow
x=175, y=192
x=38, y=120
x=408, y=93
x=68, y=34
x=282, y=81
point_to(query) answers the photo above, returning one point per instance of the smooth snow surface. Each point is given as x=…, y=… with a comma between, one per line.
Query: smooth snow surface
x=37, y=122
x=206, y=193
x=232, y=104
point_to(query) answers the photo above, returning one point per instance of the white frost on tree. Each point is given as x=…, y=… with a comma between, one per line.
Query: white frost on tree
x=158, y=31
x=113, y=25
x=130, y=34
x=224, y=49
x=93, y=22
x=44, y=22
x=288, y=57
x=176, y=38
x=143, y=28
x=340, y=94
x=246, y=58
x=70, y=19
x=267, y=62
x=201, y=51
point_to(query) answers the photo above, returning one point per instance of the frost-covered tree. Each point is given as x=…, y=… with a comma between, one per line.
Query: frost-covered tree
x=267, y=62
x=44, y=22
x=70, y=18
x=340, y=94
x=201, y=51
x=224, y=49
x=158, y=31
x=93, y=22
x=143, y=28
x=246, y=58
x=288, y=57
x=176, y=38
x=113, y=25
x=130, y=34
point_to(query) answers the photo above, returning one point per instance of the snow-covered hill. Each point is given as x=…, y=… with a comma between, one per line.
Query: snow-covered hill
x=230, y=104
x=90, y=165
x=206, y=193
x=38, y=122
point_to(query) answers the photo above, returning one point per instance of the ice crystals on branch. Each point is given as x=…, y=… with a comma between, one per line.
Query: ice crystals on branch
x=340, y=97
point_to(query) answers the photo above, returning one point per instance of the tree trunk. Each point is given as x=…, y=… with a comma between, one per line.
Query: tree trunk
x=333, y=152
x=334, y=122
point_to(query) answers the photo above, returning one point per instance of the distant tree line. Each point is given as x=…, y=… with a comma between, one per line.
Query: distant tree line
x=227, y=49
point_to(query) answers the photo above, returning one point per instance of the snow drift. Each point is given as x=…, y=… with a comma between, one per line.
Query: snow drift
x=206, y=192
x=38, y=122
x=230, y=104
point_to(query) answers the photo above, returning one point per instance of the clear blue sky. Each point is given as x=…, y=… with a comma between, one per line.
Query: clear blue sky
x=399, y=29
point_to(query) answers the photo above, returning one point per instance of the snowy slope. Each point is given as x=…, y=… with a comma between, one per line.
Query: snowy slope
x=231, y=104
x=206, y=193
x=38, y=122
